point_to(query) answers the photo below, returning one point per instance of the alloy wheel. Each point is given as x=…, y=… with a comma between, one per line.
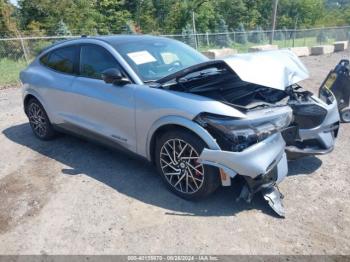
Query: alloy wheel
x=37, y=119
x=179, y=164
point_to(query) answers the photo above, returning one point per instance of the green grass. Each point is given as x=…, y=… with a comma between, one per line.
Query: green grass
x=9, y=71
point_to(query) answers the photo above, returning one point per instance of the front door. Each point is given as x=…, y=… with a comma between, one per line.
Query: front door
x=107, y=110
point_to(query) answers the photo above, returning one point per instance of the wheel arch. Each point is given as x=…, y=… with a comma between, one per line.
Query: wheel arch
x=175, y=122
x=30, y=93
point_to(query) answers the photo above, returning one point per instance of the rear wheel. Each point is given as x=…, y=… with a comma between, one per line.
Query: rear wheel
x=345, y=115
x=176, y=156
x=39, y=120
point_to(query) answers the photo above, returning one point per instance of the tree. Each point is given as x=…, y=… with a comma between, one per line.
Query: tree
x=80, y=16
x=305, y=12
x=113, y=16
x=322, y=37
x=8, y=26
x=223, y=38
x=171, y=16
x=62, y=29
x=241, y=36
x=257, y=36
x=280, y=35
x=187, y=35
x=232, y=11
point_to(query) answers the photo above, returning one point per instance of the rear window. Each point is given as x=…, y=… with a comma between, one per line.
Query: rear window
x=61, y=60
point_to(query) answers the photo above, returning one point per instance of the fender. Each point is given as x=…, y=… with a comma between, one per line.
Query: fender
x=184, y=122
x=30, y=91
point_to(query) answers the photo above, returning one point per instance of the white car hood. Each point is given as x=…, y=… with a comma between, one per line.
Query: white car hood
x=275, y=69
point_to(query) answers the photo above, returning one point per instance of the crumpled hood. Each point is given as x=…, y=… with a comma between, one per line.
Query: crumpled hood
x=275, y=69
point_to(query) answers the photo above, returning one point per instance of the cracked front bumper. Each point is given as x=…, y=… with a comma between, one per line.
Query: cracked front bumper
x=320, y=139
x=259, y=159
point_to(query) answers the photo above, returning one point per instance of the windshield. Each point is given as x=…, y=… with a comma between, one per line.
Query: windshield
x=157, y=58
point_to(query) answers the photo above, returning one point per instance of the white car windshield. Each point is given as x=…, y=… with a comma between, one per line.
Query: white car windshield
x=155, y=59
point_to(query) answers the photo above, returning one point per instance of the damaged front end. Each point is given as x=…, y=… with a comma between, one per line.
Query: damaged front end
x=252, y=148
x=315, y=126
x=263, y=86
x=250, y=82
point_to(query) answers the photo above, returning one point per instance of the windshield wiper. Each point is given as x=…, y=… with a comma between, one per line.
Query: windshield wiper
x=149, y=81
x=201, y=75
x=152, y=83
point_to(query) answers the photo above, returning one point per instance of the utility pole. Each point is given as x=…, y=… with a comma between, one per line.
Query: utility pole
x=295, y=29
x=194, y=29
x=139, y=6
x=274, y=16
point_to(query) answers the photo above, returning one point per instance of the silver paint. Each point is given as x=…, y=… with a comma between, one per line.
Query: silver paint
x=131, y=114
x=275, y=69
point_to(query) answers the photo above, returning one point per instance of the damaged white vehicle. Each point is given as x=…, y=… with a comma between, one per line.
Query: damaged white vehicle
x=201, y=122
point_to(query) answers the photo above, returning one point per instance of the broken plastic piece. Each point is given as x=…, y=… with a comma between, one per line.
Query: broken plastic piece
x=273, y=196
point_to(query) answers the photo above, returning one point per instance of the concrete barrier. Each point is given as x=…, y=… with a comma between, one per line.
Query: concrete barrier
x=322, y=49
x=341, y=46
x=219, y=53
x=300, y=51
x=259, y=48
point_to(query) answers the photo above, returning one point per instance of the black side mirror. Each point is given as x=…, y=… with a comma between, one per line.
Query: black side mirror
x=114, y=76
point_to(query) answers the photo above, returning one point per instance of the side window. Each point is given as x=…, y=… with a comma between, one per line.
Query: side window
x=62, y=59
x=94, y=60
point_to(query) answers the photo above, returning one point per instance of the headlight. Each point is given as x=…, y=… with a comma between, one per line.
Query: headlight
x=239, y=134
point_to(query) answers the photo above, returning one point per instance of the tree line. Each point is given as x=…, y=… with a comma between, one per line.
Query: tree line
x=60, y=17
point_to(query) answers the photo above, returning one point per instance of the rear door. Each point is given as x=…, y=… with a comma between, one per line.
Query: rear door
x=107, y=110
x=55, y=82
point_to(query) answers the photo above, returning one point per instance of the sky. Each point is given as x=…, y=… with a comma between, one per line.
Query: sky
x=13, y=2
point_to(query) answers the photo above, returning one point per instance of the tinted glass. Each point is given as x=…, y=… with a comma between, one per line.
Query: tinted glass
x=157, y=58
x=61, y=60
x=94, y=60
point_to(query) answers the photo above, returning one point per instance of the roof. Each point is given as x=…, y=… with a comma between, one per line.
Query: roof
x=121, y=39
x=110, y=39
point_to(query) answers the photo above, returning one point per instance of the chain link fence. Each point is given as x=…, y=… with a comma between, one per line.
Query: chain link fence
x=285, y=38
x=17, y=52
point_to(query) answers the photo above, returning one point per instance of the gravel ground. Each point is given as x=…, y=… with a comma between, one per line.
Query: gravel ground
x=69, y=196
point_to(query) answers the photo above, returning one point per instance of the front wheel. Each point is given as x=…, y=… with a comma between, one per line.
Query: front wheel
x=176, y=157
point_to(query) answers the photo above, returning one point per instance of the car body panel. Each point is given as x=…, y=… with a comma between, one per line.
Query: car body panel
x=254, y=161
x=324, y=133
x=42, y=83
x=108, y=110
x=320, y=139
x=276, y=69
x=155, y=106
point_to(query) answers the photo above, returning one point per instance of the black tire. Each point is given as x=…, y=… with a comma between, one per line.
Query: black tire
x=345, y=115
x=39, y=121
x=208, y=175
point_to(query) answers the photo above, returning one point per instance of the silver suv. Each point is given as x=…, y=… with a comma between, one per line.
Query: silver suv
x=200, y=122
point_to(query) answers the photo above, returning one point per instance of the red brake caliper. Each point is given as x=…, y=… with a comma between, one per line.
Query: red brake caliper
x=197, y=172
